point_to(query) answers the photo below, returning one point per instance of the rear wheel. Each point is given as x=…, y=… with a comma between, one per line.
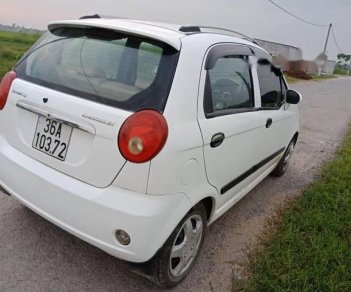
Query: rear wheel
x=284, y=161
x=179, y=254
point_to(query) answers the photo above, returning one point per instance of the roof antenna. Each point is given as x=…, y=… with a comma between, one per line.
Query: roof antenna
x=90, y=16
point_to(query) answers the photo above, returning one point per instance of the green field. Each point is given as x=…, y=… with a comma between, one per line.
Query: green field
x=309, y=248
x=12, y=47
x=341, y=71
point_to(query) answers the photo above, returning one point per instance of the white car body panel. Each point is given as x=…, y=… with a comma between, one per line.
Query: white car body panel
x=285, y=124
x=133, y=177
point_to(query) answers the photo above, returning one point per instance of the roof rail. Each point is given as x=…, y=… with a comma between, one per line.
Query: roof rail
x=202, y=28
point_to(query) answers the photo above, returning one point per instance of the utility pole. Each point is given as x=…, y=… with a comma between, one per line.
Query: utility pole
x=325, y=47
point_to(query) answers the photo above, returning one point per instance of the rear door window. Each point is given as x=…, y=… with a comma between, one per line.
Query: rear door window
x=229, y=86
x=109, y=67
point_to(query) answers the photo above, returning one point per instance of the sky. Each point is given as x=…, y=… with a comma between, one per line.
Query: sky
x=256, y=18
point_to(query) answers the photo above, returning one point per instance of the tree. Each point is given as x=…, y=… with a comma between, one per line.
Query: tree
x=344, y=59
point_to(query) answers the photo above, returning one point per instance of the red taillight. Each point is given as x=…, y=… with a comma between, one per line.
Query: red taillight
x=5, y=86
x=142, y=136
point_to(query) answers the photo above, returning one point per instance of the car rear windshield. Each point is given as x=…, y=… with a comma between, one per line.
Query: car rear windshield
x=121, y=70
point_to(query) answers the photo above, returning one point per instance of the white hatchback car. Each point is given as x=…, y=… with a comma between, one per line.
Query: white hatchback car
x=135, y=136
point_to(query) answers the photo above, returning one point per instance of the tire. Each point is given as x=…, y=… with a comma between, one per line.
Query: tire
x=284, y=161
x=169, y=268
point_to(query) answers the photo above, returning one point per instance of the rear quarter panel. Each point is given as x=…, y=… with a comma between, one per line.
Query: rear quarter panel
x=179, y=168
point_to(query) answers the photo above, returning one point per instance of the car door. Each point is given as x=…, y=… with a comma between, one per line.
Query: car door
x=228, y=119
x=277, y=121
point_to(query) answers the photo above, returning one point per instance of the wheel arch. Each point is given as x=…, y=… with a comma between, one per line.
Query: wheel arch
x=296, y=136
x=209, y=205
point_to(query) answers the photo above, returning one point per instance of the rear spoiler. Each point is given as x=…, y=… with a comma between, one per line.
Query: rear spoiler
x=169, y=37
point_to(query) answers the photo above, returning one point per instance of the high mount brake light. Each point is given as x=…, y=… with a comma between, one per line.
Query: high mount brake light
x=142, y=136
x=5, y=86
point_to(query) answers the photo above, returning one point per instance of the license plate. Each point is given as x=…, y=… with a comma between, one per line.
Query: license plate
x=52, y=138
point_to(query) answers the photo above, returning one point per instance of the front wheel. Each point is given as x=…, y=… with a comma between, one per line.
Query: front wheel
x=284, y=161
x=180, y=252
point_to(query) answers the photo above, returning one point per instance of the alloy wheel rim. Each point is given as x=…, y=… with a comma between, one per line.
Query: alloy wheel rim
x=186, y=246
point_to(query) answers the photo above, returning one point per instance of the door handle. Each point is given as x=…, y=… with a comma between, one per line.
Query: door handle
x=269, y=123
x=217, y=139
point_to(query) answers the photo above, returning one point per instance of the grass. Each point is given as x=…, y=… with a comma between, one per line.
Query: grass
x=26, y=39
x=8, y=58
x=12, y=46
x=323, y=77
x=340, y=71
x=291, y=80
x=310, y=250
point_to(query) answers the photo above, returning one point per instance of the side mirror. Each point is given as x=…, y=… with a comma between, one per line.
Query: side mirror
x=292, y=96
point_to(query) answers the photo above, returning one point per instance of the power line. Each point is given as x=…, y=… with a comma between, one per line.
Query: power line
x=336, y=42
x=308, y=22
x=299, y=18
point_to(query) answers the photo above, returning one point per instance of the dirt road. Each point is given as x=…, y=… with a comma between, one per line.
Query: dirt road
x=37, y=256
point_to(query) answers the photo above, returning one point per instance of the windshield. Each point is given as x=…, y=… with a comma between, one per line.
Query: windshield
x=113, y=68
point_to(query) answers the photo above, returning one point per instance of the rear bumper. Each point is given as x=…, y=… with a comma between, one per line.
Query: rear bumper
x=91, y=213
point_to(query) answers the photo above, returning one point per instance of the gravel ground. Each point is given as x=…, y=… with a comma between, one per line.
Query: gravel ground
x=37, y=256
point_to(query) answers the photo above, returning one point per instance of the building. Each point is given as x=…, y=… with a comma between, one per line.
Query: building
x=290, y=53
x=290, y=58
x=330, y=67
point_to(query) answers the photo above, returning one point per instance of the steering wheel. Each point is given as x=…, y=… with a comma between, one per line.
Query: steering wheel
x=223, y=92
